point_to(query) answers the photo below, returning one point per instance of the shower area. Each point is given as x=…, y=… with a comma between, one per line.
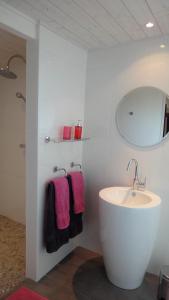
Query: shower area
x=12, y=160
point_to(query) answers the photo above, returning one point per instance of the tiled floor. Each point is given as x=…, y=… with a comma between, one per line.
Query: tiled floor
x=81, y=276
x=12, y=254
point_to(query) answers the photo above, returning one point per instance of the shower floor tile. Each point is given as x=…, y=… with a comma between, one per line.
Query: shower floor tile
x=12, y=254
x=81, y=276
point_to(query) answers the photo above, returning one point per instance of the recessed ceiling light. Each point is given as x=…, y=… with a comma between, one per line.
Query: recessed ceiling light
x=162, y=46
x=149, y=25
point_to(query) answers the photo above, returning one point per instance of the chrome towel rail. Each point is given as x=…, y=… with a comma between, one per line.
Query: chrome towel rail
x=57, y=169
x=72, y=165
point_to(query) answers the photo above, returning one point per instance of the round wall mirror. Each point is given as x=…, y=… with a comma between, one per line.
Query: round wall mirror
x=142, y=116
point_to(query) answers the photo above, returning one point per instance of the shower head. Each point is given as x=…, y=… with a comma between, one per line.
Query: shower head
x=5, y=72
x=20, y=96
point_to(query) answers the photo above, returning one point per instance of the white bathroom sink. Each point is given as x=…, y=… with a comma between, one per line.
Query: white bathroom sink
x=128, y=227
x=127, y=197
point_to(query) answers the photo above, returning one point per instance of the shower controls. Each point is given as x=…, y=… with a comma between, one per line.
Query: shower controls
x=22, y=146
x=20, y=96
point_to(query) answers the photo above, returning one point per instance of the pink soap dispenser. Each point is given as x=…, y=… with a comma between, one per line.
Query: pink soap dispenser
x=78, y=131
x=67, y=131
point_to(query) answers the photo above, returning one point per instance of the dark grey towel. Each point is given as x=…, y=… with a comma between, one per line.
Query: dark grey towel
x=54, y=238
x=76, y=224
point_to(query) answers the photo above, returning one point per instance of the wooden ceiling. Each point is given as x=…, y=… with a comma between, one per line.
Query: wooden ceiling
x=99, y=23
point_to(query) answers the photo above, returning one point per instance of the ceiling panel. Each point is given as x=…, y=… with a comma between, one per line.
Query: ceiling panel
x=99, y=23
x=160, y=9
x=103, y=19
x=142, y=12
x=121, y=15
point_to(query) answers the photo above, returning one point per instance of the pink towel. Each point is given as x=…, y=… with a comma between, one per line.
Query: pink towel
x=78, y=191
x=62, y=202
x=25, y=294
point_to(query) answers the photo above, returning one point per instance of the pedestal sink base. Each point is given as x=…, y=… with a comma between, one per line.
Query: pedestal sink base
x=128, y=227
x=125, y=285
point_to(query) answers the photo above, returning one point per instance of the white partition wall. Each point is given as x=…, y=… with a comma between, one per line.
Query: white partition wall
x=62, y=73
x=56, y=72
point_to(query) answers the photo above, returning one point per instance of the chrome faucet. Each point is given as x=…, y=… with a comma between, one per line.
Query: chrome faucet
x=137, y=184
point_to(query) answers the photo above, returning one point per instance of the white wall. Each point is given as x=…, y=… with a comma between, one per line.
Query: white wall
x=17, y=22
x=110, y=75
x=62, y=73
x=12, y=132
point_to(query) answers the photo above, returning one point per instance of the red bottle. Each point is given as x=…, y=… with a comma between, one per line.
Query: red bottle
x=78, y=131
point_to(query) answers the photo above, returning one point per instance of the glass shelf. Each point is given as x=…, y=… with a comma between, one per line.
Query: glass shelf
x=48, y=139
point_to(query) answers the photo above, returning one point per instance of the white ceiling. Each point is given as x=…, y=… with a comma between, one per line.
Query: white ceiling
x=99, y=23
x=9, y=45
